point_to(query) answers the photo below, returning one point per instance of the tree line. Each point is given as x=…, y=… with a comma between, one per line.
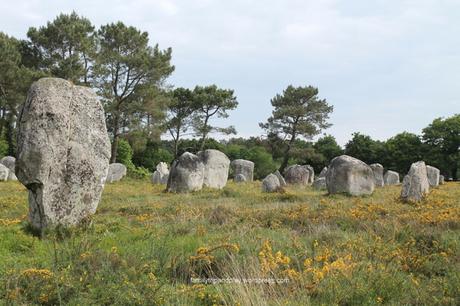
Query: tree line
x=130, y=76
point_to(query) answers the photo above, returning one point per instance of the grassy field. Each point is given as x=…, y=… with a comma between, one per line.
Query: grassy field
x=301, y=247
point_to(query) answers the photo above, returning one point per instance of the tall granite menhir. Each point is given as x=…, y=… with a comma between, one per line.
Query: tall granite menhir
x=63, y=152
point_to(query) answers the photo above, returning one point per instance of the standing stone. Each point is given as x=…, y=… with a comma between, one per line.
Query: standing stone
x=320, y=183
x=378, y=174
x=186, y=174
x=116, y=172
x=239, y=178
x=161, y=174
x=349, y=175
x=244, y=167
x=433, y=175
x=297, y=175
x=216, y=166
x=391, y=178
x=63, y=152
x=415, y=184
x=271, y=183
x=280, y=178
x=311, y=175
x=323, y=172
x=4, y=171
x=441, y=180
x=10, y=163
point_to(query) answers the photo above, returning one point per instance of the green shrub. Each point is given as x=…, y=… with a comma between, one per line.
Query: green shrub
x=3, y=148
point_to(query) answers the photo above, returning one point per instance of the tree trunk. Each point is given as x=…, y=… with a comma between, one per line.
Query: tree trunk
x=203, y=138
x=10, y=135
x=113, y=157
x=286, y=155
x=454, y=172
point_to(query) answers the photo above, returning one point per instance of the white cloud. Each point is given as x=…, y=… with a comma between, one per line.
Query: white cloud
x=363, y=55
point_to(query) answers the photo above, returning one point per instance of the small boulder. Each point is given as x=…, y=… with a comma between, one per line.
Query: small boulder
x=244, y=167
x=239, y=178
x=280, y=178
x=186, y=174
x=4, y=171
x=391, y=178
x=378, y=174
x=216, y=166
x=116, y=172
x=10, y=163
x=161, y=174
x=320, y=183
x=297, y=175
x=323, y=172
x=415, y=184
x=441, y=180
x=349, y=175
x=433, y=175
x=271, y=183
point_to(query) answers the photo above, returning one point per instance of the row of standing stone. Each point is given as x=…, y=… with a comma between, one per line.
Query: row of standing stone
x=352, y=176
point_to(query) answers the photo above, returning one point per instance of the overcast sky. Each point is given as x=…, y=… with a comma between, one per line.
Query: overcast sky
x=387, y=66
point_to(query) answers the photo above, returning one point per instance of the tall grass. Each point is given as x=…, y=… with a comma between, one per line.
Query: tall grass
x=147, y=247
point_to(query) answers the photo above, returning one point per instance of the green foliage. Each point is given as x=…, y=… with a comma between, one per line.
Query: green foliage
x=124, y=153
x=3, y=148
x=179, y=113
x=15, y=80
x=66, y=47
x=152, y=154
x=263, y=161
x=443, y=138
x=363, y=147
x=298, y=112
x=402, y=150
x=211, y=101
x=128, y=72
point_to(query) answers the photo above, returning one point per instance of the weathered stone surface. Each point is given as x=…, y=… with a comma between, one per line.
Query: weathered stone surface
x=239, y=178
x=4, y=171
x=441, y=180
x=391, y=178
x=280, y=178
x=320, y=183
x=433, y=175
x=323, y=172
x=161, y=174
x=244, y=167
x=296, y=174
x=63, y=152
x=216, y=166
x=10, y=162
x=349, y=175
x=311, y=175
x=116, y=172
x=186, y=174
x=378, y=174
x=415, y=184
x=271, y=183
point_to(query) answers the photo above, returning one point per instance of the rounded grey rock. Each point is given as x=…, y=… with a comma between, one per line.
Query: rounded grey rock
x=349, y=175
x=297, y=175
x=116, y=172
x=186, y=174
x=244, y=167
x=271, y=183
x=216, y=167
x=415, y=184
x=378, y=174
